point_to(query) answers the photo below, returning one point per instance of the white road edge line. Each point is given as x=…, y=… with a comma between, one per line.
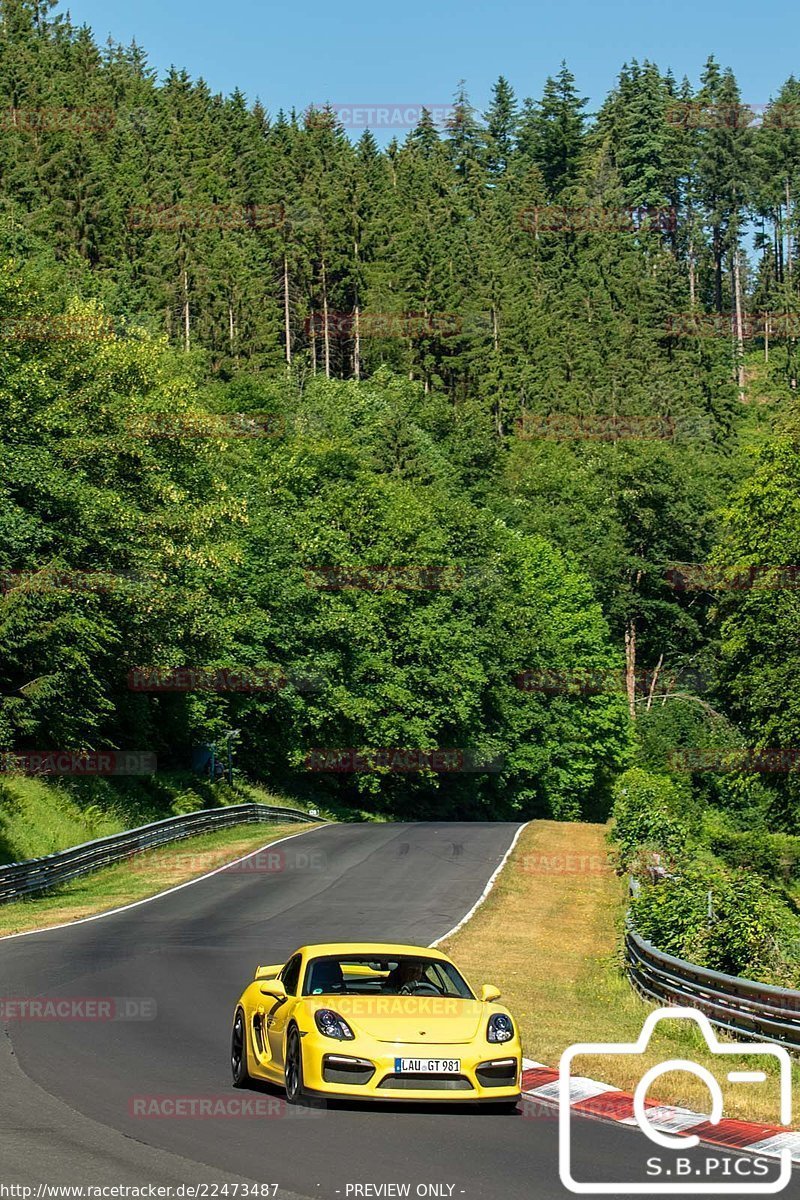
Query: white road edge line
x=158, y=896
x=485, y=891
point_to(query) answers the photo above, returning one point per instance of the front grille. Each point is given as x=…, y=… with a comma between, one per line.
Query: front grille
x=338, y=1069
x=426, y=1083
x=503, y=1074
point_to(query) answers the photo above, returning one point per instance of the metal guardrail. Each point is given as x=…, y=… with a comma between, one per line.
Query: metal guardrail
x=18, y=880
x=739, y=1006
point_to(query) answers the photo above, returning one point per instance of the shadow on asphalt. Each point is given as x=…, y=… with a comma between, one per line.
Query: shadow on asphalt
x=388, y=1106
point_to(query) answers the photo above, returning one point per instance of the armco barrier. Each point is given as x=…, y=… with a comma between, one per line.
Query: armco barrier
x=39, y=874
x=740, y=1006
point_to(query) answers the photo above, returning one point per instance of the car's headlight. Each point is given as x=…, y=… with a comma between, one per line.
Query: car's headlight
x=500, y=1028
x=332, y=1025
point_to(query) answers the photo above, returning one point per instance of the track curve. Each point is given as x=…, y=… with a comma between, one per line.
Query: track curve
x=190, y=952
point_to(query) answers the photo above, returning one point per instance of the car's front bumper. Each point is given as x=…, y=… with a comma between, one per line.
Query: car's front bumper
x=488, y=1074
x=387, y=1097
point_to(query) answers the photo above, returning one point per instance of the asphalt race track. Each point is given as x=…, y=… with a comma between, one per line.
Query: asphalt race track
x=67, y=1087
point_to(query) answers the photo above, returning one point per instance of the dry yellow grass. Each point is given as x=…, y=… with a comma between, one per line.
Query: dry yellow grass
x=143, y=876
x=549, y=936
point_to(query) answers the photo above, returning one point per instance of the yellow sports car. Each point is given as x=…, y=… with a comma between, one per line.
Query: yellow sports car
x=369, y=1021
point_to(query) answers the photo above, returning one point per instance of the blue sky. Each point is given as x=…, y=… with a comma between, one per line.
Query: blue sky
x=415, y=53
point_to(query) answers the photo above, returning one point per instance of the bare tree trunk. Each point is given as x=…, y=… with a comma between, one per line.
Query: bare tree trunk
x=357, y=323
x=716, y=241
x=692, y=278
x=788, y=230
x=357, y=343
x=779, y=244
x=630, y=665
x=186, y=312
x=654, y=681
x=498, y=410
x=287, y=329
x=766, y=337
x=326, y=332
x=231, y=326
x=737, y=291
x=313, y=342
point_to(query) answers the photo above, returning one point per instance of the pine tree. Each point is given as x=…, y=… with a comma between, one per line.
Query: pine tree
x=552, y=132
x=724, y=165
x=463, y=135
x=501, y=121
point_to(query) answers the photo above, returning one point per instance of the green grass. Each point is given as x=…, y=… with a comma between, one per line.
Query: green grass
x=41, y=816
x=138, y=878
x=549, y=936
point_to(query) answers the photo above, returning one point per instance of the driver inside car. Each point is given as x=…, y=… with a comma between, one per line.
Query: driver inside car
x=404, y=977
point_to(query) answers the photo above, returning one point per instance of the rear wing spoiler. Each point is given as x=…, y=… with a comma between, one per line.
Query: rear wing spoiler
x=268, y=972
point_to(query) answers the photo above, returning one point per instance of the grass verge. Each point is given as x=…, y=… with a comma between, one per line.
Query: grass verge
x=41, y=815
x=145, y=875
x=550, y=936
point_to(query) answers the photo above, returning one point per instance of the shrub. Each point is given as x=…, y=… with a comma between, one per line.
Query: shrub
x=648, y=815
x=746, y=934
x=773, y=855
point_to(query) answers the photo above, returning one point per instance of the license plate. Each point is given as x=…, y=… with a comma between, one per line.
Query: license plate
x=425, y=1066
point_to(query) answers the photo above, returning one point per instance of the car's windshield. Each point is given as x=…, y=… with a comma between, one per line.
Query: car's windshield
x=399, y=975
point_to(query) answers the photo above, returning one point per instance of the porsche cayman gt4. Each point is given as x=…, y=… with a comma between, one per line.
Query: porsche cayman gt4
x=373, y=1021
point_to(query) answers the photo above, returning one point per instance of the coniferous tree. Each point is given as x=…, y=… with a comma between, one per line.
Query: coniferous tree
x=501, y=120
x=552, y=131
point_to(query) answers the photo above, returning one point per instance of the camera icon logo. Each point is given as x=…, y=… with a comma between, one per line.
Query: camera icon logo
x=676, y=1144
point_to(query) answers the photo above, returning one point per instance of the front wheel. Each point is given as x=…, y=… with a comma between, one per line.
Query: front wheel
x=293, y=1069
x=241, y=1077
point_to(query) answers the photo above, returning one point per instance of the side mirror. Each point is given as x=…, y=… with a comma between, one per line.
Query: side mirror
x=273, y=988
x=489, y=992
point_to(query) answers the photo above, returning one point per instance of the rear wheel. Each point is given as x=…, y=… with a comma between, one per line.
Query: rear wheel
x=241, y=1077
x=293, y=1069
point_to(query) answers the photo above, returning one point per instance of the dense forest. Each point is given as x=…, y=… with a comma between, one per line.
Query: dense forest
x=429, y=468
